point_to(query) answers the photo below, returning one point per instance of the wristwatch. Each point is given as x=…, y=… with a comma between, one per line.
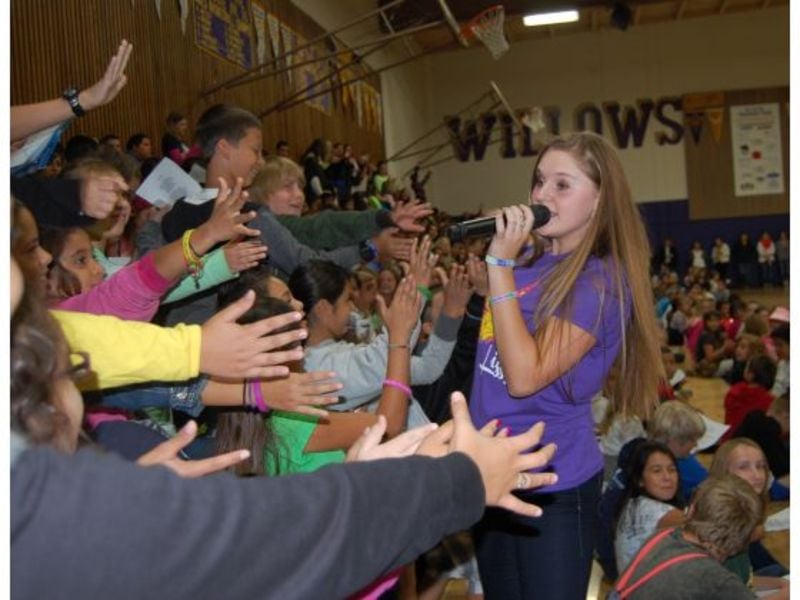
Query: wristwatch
x=367, y=250
x=71, y=96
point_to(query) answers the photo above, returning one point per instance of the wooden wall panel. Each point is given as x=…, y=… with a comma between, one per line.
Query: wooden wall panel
x=709, y=164
x=69, y=42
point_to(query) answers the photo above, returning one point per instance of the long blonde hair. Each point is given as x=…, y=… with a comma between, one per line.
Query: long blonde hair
x=617, y=236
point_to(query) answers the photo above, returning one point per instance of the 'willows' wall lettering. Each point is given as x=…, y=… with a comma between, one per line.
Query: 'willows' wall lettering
x=625, y=125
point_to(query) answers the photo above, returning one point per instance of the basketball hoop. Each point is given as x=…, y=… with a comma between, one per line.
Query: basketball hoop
x=487, y=26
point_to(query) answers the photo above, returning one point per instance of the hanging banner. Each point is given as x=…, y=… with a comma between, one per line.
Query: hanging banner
x=715, y=117
x=224, y=28
x=289, y=37
x=757, y=153
x=274, y=26
x=260, y=25
x=183, y=7
x=312, y=78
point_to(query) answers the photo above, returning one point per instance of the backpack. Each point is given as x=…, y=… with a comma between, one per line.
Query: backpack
x=623, y=588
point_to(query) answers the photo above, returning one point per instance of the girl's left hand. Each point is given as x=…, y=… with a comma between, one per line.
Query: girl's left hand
x=513, y=230
x=167, y=453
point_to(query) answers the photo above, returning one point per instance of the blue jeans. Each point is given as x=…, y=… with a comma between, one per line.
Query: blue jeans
x=183, y=396
x=545, y=558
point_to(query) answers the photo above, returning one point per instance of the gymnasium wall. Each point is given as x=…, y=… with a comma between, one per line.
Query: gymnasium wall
x=56, y=44
x=657, y=63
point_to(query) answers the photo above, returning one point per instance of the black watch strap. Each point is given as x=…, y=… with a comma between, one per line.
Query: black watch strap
x=71, y=96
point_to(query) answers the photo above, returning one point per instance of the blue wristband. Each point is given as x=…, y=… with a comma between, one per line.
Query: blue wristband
x=500, y=262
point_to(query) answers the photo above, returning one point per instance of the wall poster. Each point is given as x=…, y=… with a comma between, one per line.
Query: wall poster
x=757, y=152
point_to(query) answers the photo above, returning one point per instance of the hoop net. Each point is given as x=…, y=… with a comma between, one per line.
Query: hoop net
x=487, y=26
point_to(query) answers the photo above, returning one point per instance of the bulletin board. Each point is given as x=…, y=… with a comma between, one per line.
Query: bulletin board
x=736, y=145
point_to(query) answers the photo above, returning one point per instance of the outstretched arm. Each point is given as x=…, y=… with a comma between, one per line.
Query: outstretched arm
x=28, y=119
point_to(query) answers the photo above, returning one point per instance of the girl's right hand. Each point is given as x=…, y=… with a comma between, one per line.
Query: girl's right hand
x=422, y=261
x=241, y=256
x=402, y=315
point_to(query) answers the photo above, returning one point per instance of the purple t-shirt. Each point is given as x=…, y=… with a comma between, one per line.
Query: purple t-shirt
x=565, y=404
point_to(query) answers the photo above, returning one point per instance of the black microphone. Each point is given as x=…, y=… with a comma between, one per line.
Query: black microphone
x=486, y=225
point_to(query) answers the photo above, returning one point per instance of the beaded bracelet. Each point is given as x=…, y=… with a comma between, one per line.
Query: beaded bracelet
x=500, y=262
x=193, y=261
x=398, y=386
x=502, y=297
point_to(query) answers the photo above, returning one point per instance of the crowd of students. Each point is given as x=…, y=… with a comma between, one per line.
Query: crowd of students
x=295, y=316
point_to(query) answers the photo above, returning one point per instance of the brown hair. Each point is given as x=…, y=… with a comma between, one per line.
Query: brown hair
x=721, y=462
x=37, y=343
x=244, y=427
x=674, y=420
x=724, y=512
x=272, y=175
x=63, y=284
x=617, y=236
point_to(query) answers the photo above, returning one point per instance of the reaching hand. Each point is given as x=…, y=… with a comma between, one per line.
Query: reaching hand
x=457, y=292
x=502, y=461
x=248, y=351
x=402, y=315
x=226, y=221
x=114, y=79
x=422, y=261
x=406, y=215
x=478, y=276
x=241, y=256
x=166, y=454
x=100, y=194
x=389, y=245
x=369, y=447
x=120, y=214
x=302, y=392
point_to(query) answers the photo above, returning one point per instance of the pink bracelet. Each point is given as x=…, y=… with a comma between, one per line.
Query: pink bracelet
x=398, y=386
x=258, y=397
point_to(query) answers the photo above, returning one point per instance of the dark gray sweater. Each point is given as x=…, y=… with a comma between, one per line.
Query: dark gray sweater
x=94, y=526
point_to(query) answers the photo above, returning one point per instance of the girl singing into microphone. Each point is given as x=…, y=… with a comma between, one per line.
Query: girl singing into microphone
x=558, y=317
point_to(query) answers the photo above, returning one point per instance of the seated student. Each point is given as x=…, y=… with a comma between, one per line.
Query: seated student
x=651, y=500
x=712, y=345
x=614, y=430
x=139, y=146
x=679, y=426
x=684, y=563
x=780, y=340
x=675, y=376
x=750, y=394
x=743, y=458
x=770, y=430
x=674, y=424
x=679, y=320
x=747, y=346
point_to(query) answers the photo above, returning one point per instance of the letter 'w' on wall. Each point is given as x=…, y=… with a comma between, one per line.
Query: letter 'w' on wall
x=468, y=138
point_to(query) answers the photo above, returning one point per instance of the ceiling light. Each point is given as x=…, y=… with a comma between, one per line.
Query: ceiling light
x=551, y=18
